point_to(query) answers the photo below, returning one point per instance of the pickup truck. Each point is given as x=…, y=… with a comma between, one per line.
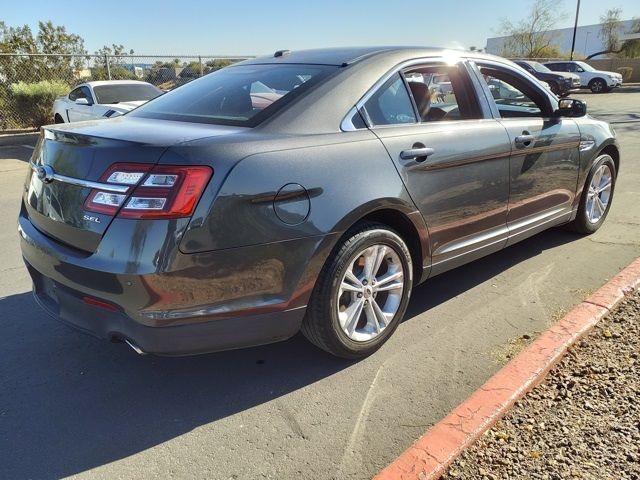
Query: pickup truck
x=102, y=99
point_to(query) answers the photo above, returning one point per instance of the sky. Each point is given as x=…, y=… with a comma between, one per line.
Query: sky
x=248, y=27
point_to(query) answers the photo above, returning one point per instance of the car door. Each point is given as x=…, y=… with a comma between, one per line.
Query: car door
x=453, y=161
x=545, y=155
x=78, y=112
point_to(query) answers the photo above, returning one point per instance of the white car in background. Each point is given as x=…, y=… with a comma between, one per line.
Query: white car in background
x=598, y=81
x=102, y=99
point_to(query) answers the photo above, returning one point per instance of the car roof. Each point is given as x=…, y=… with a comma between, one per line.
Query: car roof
x=345, y=55
x=98, y=83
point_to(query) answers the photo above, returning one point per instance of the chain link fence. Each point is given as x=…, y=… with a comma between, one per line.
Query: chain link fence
x=30, y=83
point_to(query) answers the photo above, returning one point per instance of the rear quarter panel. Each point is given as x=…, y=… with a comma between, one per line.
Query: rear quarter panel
x=345, y=175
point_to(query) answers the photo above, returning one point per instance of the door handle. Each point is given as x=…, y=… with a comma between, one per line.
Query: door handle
x=419, y=154
x=524, y=140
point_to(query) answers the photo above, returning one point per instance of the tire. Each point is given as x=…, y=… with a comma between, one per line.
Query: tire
x=586, y=222
x=343, y=321
x=58, y=119
x=598, y=85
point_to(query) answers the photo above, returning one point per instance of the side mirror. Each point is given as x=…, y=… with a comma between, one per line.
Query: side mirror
x=83, y=101
x=569, y=107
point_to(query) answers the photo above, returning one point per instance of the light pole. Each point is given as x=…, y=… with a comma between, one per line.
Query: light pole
x=586, y=39
x=575, y=28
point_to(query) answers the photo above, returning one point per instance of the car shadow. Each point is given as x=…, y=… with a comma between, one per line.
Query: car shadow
x=69, y=403
x=443, y=287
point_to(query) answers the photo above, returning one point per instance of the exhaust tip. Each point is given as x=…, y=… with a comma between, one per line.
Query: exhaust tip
x=134, y=347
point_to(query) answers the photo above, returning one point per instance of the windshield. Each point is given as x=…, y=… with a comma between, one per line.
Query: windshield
x=241, y=95
x=586, y=67
x=538, y=67
x=130, y=92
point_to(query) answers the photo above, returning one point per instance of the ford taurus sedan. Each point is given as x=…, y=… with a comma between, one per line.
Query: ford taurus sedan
x=204, y=220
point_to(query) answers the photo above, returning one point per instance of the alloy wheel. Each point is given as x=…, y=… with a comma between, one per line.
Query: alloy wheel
x=599, y=193
x=370, y=292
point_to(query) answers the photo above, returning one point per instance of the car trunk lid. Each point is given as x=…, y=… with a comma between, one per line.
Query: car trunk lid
x=70, y=162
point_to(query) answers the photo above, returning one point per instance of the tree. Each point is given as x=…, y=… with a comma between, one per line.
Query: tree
x=610, y=30
x=111, y=64
x=531, y=37
x=610, y=35
x=631, y=48
x=50, y=39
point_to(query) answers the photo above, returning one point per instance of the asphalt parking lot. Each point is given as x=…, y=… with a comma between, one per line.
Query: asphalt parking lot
x=72, y=405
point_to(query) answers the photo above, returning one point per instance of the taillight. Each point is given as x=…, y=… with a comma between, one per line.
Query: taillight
x=163, y=191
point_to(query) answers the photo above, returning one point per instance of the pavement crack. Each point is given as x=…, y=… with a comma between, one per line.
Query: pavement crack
x=358, y=426
x=615, y=244
x=291, y=421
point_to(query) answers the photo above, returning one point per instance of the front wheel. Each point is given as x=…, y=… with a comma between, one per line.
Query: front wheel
x=598, y=85
x=597, y=195
x=361, y=294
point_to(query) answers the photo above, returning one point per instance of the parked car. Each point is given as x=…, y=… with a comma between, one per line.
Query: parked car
x=102, y=99
x=201, y=222
x=561, y=83
x=598, y=81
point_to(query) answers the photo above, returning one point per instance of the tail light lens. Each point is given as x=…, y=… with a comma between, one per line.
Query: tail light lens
x=162, y=191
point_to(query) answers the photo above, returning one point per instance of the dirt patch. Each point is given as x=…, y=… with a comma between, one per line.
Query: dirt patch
x=582, y=422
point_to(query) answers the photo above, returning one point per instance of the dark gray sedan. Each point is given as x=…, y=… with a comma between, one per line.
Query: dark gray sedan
x=304, y=191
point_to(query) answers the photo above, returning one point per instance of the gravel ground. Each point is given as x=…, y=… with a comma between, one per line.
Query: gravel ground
x=582, y=422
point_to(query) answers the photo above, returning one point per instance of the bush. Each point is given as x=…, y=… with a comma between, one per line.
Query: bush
x=626, y=73
x=32, y=103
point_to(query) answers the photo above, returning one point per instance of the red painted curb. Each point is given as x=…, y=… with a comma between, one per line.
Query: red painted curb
x=430, y=455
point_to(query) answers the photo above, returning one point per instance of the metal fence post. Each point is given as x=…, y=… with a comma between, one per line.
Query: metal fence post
x=201, y=67
x=106, y=60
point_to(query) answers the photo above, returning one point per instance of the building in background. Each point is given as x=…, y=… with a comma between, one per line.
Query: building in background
x=588, y=40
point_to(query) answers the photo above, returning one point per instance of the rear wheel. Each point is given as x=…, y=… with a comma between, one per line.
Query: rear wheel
x=361, y=294
x=596, y=196
x=598, y=85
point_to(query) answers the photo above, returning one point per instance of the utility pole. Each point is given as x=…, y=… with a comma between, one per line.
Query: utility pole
x=575, y=28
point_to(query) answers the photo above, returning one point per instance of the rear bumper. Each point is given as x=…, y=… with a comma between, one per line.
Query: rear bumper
x=171, y=303
x=69, y=307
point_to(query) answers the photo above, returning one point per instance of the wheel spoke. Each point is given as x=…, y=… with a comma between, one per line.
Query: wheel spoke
x=391, y=286
x=380, y=254
x=370, y=257
x=383, y=318
x=591, y=209
x=606, y=186
x=371, y=317
x=353, y=315
x=601, y=206
x=595, y=181
x=353, y=279
x=350, y=288
x=381, y=282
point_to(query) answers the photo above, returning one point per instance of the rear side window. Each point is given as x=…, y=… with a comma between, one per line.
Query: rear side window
x=440, y=93
x=390, y=104
x=242, y=95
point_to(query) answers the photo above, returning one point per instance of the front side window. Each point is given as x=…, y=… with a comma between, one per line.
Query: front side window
x=80, y=92
x=390, y=104
x=513, y=95
x=242, y=95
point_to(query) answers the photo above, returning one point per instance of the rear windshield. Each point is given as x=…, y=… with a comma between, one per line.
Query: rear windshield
x=241, y=95
x=125, y=93
x=538, y=67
